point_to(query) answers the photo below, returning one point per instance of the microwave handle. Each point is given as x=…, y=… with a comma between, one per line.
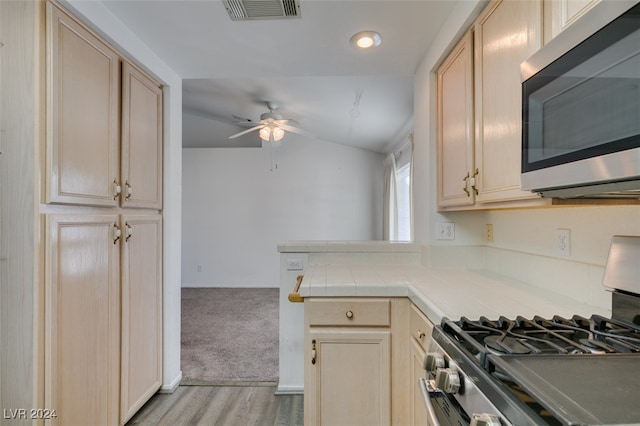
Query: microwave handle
x=426, y=395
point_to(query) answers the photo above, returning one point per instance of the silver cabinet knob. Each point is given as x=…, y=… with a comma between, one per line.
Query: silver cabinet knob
x=447, y=380
x=484, y=419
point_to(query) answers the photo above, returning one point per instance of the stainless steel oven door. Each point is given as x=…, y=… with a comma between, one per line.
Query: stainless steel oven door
x=451, y=396
x=436, y=413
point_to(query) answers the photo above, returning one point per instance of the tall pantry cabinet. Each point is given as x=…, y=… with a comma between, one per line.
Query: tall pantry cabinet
x=95, y=233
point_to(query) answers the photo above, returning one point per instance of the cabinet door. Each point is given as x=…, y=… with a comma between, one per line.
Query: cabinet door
x=82, y=320
x=141, y=366
x=141, y=140
x=350, y=381
x=455, y=126
x=507, y=33
x=559, y=14
x=83, y=98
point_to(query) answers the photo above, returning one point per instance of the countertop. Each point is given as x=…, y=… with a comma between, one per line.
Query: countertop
x=443, y=292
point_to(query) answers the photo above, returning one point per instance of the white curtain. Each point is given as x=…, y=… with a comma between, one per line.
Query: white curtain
x=390, y=213
x=398, y=194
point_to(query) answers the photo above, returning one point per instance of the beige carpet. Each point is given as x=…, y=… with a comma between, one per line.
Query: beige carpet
x=229, y=335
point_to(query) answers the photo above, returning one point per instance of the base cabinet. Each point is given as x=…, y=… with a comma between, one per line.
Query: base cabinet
x=103, y=304
x=82, y=326
x=350, y=380
x=351, y=366
x=141, y=354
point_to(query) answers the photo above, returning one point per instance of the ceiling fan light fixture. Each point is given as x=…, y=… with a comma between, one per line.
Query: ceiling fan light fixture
x=366, y=39
x=278, y=134
x=265, y=134
x=271, y=134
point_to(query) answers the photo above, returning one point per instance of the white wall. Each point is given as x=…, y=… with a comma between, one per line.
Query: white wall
x=237, y=207
x=524, y=244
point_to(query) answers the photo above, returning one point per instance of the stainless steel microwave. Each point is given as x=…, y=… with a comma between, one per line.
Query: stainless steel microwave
x=581, y=108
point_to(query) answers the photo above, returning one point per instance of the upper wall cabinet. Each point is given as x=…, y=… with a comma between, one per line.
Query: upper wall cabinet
x=83, y=99
x=455, y=126
x=94, y=157
x=506, y=34
x=479, y=109
x=141, y=140
x=559, y=14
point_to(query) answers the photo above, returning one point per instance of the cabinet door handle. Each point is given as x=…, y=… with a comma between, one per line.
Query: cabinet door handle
x=349, y=314
x=128, y=231
x=473, y=181
x=313, y=352
x=116, y=233
x=421, y=334
x=466, y=185
x=117, y=189
x=128, y=190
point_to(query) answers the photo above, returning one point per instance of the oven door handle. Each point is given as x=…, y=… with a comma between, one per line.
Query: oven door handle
x=427, y=392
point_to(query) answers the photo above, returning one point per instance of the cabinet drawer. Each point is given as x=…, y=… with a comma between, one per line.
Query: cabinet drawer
x=420, y=327
x=348, y=312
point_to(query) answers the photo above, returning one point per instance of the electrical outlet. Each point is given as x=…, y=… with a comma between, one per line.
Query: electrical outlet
x=295, y=265
x=488, y=232
x=445, y=231
x=564, y=242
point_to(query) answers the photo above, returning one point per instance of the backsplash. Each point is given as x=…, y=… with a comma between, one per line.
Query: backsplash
x=578, y=280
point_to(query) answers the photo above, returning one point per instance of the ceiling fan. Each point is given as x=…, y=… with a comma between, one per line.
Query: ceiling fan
x=271, y=126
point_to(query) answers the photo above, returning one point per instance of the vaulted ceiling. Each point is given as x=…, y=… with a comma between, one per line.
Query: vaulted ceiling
x=305, y=65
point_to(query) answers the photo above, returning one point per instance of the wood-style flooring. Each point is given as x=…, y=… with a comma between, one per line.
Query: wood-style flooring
x=221, y=405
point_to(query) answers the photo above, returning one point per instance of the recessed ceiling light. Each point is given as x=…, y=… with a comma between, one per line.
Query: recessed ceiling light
x=366, y=39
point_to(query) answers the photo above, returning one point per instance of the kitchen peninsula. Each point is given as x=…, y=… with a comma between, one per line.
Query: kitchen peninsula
x=366, y=300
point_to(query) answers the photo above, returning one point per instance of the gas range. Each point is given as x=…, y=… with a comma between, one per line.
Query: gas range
x=543, y=371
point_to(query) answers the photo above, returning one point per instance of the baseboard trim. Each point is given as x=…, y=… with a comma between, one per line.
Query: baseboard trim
x=289, y=390
x=171, y=386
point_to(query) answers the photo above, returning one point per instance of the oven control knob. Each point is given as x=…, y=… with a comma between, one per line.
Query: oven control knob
x=432, y=362
x=484, y=420
x=448, y=380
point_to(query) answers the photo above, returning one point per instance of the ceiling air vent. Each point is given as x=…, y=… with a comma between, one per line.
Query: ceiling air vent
x=243, y=10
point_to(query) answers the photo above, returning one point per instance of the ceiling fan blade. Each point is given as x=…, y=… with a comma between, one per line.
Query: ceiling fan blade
x=259, y=126
x=297, y=131
x=243, y=121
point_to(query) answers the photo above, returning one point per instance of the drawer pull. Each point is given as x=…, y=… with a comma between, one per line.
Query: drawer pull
x=349, y=314
x=421, y=334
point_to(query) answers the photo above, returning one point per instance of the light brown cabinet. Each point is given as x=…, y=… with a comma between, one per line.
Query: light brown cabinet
x=347, y=362
x=506, y=34
x=83, y=98
x=559, y=14
x=454, y=91
x=82, y=325
x=103, y=257
x=478, y=108
x=141, y=176
x=81, y=282
x=93, y=157
x=103, y=320
x=141, y=339
x=354, y=372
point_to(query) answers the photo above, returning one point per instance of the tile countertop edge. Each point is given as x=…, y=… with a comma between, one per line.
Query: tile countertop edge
x=453, y=293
